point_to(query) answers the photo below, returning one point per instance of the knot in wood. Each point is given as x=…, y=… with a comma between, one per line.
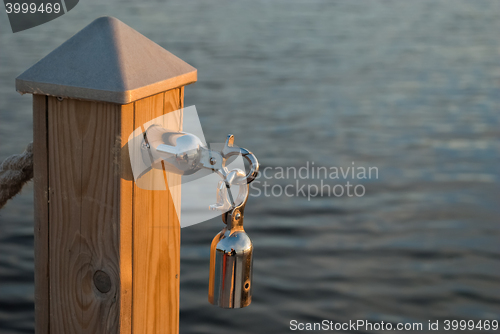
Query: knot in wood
x=102, y=281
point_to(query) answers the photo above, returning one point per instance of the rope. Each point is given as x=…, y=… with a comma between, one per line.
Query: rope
x=15, y=171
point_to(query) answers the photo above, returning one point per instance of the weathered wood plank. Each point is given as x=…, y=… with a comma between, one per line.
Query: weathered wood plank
x=100, y=219
x=170, y=239
x=65, y=182
x=156, y=244
x=41, y=194
x=85, y=213
x=126, y=219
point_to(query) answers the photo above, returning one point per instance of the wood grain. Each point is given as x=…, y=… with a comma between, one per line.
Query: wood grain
x=126, y=219
x=41, y=233
x=107, y=251
x=85, y=215
x=156, y=239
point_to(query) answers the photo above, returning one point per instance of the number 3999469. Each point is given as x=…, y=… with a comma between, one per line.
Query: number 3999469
x=32, y=8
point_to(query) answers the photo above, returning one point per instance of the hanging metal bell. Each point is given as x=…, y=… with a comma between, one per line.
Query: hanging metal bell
x=230, y=282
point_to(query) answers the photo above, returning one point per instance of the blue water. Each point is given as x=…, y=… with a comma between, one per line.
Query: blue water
x=411, y=87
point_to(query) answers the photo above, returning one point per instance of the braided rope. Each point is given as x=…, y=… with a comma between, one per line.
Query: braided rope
x=15, y=171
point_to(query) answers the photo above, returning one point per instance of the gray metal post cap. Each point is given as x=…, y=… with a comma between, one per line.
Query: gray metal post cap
x=106, y=61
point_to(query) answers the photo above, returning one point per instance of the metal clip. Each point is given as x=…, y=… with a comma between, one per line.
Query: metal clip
x=183, y=153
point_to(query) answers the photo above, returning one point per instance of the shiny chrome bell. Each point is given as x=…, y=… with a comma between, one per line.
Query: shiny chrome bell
x=230, y=282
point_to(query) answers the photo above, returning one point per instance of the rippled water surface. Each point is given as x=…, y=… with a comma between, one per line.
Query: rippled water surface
x=411, y=87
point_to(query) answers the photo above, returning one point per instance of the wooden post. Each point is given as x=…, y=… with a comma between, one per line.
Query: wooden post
x=106, y=252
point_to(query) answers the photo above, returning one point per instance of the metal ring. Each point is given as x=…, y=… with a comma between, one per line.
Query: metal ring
x=254, y=164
